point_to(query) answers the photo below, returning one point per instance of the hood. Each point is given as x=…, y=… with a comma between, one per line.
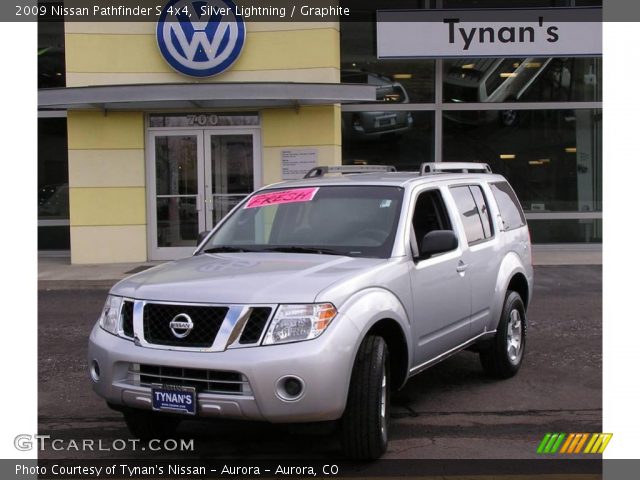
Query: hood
x=241, y=278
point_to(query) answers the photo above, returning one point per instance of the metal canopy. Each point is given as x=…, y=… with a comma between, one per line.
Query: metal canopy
x=202, y=95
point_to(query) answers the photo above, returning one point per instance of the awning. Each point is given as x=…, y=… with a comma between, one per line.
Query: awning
x=202, y=95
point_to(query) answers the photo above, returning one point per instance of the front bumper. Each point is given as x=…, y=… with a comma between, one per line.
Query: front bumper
x=324, y=365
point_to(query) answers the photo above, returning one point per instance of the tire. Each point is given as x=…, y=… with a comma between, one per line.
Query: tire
x=147, y=425
x=504, y=356
x=365, y=422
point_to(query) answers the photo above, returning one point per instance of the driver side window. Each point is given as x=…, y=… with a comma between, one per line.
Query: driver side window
x=429, y=214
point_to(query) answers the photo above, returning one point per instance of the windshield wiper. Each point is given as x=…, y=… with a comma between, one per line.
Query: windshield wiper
x=227, y=249
x=295, y=249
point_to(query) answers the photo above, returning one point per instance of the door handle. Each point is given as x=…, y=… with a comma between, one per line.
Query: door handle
x=461, y=266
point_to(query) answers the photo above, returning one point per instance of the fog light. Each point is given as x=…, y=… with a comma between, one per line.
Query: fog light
x=290, y=388
x=95, y=371
x=293, y=387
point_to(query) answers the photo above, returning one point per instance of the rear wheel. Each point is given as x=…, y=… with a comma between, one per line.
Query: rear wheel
x=365, y=422
x=147, y=425
x=503, y=357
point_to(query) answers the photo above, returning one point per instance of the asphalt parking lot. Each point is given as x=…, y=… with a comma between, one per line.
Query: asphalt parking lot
x=450, y=411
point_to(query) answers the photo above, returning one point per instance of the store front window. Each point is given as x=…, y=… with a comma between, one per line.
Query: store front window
x=53, y=174
x=552, y=158
x=547, y=140
x=525, y=79
x=392, y=137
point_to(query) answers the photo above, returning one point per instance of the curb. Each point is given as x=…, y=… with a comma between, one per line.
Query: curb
x=76, y=284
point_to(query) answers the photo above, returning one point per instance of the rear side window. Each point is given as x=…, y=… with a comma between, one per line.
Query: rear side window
x=508, y=205
x=476, y=228
x=483, y=210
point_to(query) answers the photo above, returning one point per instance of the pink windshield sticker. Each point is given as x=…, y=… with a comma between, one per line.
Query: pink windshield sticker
x=282, y=196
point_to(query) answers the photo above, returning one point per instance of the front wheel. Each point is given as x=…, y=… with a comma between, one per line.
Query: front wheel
x=365, y=422
x=503, y=358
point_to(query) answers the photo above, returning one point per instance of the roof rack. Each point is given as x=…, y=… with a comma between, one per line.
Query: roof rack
x=347, y=169
x=454, y=167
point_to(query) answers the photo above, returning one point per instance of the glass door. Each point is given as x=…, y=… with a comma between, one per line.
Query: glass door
x=231, y=169
x=195, y=177
x=176, y=194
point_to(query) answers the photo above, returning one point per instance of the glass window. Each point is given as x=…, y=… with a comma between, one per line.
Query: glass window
x=53, y=184
x=397, y=81
x=353, y=221
x=483, y=210
x=51, y=63
x=53, y=170
x=504, y=3
x=469, y=214
x=400, y=138
x=430, y=214
x=510, y=211
x=566, y=231
x=531, y=79
x=551, y=158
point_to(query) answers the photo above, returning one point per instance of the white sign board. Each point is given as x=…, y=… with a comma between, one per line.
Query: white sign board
x=489, y=33
x=297, y=162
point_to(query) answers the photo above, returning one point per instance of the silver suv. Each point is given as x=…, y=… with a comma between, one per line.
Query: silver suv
x=314, y=298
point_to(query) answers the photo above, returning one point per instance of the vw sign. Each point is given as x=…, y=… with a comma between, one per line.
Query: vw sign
x=200, y=38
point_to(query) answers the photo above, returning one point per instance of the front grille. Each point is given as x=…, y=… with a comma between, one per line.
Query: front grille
x=255, y=325
x=204, y=381
x=127, y=318
x=206, y=323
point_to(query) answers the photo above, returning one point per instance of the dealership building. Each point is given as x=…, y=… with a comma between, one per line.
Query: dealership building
x=150, y=132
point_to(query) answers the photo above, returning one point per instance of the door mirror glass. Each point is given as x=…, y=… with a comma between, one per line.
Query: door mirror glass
x=202, y=236
x=438, y=241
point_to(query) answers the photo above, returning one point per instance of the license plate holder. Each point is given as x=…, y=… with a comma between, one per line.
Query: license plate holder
x=174, y=398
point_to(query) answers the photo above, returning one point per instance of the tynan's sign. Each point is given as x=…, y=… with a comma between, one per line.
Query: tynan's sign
x=489, y=33
x=200, y=38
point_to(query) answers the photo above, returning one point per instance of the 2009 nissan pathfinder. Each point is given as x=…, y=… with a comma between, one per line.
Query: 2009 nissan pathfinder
x=314, y=298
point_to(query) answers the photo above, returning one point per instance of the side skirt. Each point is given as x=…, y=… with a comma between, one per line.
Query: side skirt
x=443, y=356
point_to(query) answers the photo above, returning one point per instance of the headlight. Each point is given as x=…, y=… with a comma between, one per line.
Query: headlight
x=294, y=323
x=110, y=318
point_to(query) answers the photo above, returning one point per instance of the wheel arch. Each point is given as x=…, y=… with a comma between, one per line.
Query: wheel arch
x=398, y=349
x=518, y=283
x=379, y=311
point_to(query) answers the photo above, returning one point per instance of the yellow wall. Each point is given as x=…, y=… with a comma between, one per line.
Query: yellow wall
x=107, y=150
x=315, y=127
x=107, y=199
x=282, y=51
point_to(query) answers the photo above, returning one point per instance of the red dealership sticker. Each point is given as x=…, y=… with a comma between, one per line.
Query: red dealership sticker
x=282, y=196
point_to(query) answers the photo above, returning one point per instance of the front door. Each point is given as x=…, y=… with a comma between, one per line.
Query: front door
x=195, y=178
x=440, y=287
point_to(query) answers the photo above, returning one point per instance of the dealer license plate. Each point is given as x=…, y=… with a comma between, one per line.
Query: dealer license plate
x=176, y=399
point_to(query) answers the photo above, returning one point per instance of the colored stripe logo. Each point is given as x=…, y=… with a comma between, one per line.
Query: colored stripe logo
x=573, y=443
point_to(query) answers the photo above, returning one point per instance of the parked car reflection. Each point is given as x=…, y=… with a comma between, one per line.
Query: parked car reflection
x=376, y=125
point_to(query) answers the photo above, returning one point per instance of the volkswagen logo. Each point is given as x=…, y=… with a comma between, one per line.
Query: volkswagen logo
x=181, y=325
x=200, y=38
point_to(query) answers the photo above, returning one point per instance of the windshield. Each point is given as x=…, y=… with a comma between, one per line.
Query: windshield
x=338, y=220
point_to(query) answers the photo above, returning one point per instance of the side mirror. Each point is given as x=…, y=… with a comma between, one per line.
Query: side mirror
x=202, y=236
x=438, y=241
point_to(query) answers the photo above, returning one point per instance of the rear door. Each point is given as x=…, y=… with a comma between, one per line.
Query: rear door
x=483, y=256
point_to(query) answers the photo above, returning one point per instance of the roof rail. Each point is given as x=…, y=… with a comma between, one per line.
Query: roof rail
x=346, y=169
x=465, y=167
